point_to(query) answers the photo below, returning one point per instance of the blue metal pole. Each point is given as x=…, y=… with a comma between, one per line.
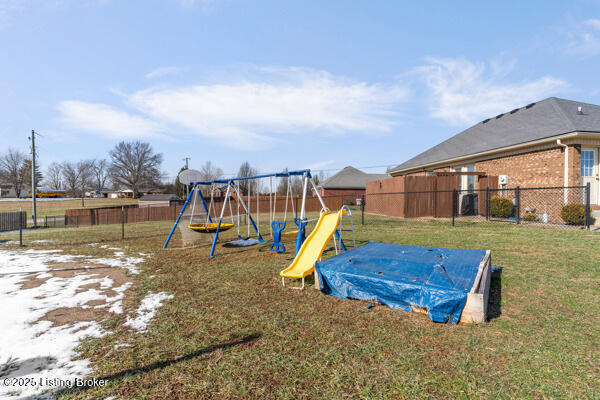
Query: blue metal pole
x=305, y=172
x=179, y=217
x=260, y=239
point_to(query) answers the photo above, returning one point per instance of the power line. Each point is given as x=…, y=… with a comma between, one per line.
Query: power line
x=387, y=166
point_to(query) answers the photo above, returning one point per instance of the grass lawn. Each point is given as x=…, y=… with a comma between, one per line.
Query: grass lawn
x=48, y=207
x=232, y=331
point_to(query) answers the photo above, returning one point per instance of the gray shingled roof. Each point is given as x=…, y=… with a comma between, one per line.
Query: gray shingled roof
x=544, y=119
x=159, y=197
x=350, y=178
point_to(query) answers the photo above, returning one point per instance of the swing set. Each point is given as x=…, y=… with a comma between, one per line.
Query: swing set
x=213, y=224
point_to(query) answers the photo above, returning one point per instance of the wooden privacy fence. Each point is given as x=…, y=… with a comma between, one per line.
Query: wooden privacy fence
x=112, y=215
x=420, y=196
x=11, y=221
x=411, y=196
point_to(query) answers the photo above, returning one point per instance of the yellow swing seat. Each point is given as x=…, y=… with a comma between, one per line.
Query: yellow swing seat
x=290, y=234
x=209, y=227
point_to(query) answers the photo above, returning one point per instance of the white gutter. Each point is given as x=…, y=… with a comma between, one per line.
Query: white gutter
x=566, y=173
x=488, y=153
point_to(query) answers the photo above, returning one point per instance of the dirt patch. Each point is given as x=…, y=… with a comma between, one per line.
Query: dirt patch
x=71, y=315
x=92, y=310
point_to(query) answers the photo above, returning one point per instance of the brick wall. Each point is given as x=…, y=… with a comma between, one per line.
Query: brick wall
x=536, y=169
x=544, y=168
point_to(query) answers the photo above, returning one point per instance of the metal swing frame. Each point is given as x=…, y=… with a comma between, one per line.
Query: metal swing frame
x=231, y=184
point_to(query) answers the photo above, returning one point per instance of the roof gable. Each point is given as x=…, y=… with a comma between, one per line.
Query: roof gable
x=350, y=178
x=544, y=119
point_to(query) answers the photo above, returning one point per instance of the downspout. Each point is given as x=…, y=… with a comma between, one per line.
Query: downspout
x=566, y=178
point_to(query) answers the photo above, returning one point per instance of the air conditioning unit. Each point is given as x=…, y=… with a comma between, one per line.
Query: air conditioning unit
x=503, y=180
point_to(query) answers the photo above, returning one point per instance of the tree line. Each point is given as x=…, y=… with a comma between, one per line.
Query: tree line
x=130, y=165
x=210, y=172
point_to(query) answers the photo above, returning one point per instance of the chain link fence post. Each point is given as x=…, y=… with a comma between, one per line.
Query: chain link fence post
x=518, y=204
x=20, y=227
x=362, y=209
x=587, y=206
x=454, y=195
x=487, y=204
x=122, y=223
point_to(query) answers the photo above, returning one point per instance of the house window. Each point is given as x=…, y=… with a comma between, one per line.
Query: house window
x=587, y=163
x=467, y=182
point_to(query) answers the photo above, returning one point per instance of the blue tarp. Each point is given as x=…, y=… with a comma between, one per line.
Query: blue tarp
x=399, y=276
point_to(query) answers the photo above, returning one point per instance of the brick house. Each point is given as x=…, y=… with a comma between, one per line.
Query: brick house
x=349, y=181
x=550, y=143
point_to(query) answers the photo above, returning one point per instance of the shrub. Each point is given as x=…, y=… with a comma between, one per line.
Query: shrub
x=530, y=216
x=573, y=214
x=501, y=207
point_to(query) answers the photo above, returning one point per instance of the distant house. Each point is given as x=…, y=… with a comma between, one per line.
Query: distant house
x=7, y=190
x=158, y=200
x=120, y=194
x=551, y=143
x=349, y=181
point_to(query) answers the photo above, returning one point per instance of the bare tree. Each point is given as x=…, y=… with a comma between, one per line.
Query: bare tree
x=134, y=165
x=210, y=172
x=297, y=184
x=12, y=169
x=282, y=185
x=245, y=171
x=99, y=171
x=76, y=177
x=54, y=176
x=320, y=177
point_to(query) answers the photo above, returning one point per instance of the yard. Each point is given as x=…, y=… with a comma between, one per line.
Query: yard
x=232, y=331
x=57, y=207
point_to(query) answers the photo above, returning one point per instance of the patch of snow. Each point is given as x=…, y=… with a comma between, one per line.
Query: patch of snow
x=41, y=241
x=31, y=347
x=129, y=263
x=147, y=310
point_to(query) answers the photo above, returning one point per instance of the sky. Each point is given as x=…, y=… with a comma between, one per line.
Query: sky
x=281, y=84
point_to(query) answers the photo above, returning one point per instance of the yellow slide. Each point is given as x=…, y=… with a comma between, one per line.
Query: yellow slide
x=313, y=246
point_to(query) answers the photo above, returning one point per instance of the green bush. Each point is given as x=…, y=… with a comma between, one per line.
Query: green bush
x=501, y=207
x=573, y=214
x=530, y=216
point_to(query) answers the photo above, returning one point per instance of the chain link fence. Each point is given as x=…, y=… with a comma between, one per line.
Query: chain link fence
x=120, y=224
x=559, y=207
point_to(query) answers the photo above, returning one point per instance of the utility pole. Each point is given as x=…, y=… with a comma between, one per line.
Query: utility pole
x=33, y=182
x=187, y=159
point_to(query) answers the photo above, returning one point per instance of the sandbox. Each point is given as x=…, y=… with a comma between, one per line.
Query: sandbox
x=450, y=285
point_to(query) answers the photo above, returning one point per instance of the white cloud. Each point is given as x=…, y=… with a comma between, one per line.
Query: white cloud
x=164, y=71
x=285, y=101
x=463, y=93
x=594, y=23
x=320, y=164
x=106, y=120
x=584, y=38
x=253, y=113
